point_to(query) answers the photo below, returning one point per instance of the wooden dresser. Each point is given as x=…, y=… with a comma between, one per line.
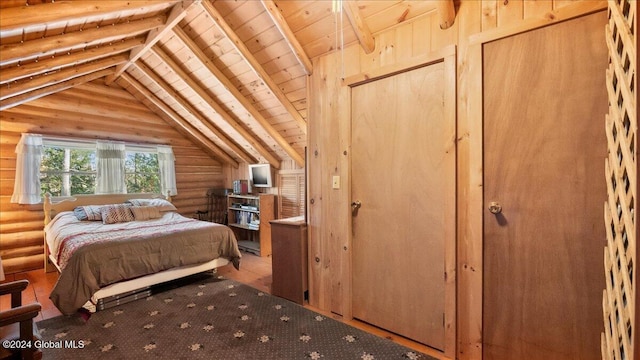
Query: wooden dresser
x=289, y=259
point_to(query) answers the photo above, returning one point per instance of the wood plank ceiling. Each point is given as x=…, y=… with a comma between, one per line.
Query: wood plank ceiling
x=230, y=75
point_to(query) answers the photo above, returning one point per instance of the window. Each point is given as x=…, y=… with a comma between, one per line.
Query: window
x=66, y=171
x=67, y=167
x=70, y=169
x=142, y=172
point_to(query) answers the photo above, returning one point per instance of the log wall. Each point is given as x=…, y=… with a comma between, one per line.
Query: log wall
x=92, y=111
x=329, y=144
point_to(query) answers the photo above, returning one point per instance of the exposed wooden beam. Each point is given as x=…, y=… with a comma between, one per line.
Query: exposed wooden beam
x=40, y=14
x=226, y=116
x=62, y=61
x=41, y=81
x=192, y=132
x=186, y=106
x=446, y=13
x=361, y=29
x=224, y=81
x=254, y=64
x=21, y=99
x=288, y=35
x=178, y=12
x=11, y=53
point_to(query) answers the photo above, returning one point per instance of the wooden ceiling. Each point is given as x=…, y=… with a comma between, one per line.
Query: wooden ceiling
x=231, y=75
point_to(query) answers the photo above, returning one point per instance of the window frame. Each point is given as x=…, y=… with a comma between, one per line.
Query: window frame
x=79, y=144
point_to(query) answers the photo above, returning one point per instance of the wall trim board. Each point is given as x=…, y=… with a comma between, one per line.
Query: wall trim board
x=404, y=66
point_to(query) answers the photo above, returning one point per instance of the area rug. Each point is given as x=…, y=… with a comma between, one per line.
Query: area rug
x=212, y=318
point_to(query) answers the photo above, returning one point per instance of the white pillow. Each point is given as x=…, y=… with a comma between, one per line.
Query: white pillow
x=161, y=204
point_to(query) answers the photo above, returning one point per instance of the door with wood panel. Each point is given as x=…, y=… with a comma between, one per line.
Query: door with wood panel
x=544, y=149
x=403, y=175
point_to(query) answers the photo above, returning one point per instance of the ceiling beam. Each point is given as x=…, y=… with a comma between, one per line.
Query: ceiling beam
x=47, y=46
x=288, y=35
x=21, y=99
x=366, y=39
x=446, y=13
x=186, y=106
x=226, y=116
x=53, y=78
x=36, y=15
x=190, y=130
x=254, y=64
x=224, y=81
x=178, y=12
x=62, y=61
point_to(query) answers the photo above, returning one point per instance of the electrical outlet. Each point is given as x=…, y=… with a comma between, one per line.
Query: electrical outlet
x=336, y=182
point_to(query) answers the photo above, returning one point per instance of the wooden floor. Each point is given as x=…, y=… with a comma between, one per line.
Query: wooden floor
x=254, y=271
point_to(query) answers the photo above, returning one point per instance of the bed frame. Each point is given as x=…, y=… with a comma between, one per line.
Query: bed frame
x=124, y=291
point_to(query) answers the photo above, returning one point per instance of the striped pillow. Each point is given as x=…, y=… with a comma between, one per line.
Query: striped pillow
x=116, y=213
x=88, y=212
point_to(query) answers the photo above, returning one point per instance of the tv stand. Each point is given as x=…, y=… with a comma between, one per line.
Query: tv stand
x=249, y=218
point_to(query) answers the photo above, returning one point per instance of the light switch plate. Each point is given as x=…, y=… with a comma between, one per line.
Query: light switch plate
x=336, y=182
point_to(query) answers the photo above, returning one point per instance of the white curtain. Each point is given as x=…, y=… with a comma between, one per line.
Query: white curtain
x=110, y=170
x=26, y=189
x=166, y=163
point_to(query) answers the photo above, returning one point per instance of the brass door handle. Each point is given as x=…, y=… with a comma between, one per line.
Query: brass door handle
x=355, y=206
x=495, y=207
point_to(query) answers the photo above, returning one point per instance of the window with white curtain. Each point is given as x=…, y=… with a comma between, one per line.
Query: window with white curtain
x=65, y=167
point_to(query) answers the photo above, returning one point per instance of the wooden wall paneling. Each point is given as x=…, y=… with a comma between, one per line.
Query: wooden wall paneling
x=379, y=15
x=510, y=12
x=326, y=237
x=469, y=183
x=489, y=14
x=538, y=8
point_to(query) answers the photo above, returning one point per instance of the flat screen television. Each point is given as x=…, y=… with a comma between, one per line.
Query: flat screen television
x=260, y=175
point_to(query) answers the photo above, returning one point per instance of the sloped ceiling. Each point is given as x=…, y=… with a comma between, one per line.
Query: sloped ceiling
x=232, y=74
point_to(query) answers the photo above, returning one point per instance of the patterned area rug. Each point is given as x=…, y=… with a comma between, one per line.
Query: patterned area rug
x=212, y=318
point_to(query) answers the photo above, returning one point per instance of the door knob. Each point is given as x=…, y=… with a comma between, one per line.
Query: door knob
x=495, y=207
x=355, y=206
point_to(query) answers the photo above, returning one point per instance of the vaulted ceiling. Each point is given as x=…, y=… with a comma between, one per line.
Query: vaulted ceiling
x=232, y=75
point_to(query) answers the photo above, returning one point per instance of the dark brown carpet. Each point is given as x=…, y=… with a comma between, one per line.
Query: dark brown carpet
x=213, y=318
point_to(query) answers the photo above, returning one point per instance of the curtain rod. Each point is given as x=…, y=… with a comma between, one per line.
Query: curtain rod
x=93, y=141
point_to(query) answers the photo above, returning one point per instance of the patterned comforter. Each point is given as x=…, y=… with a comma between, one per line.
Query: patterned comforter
x=92, y=255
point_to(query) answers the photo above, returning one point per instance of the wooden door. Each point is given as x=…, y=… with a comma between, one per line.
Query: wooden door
x=544, y=150
x=403, y=173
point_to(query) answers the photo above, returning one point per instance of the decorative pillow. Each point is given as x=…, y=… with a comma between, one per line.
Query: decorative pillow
x=116, y=213
x=161, y=204
x=141, y=213
x=88, y=212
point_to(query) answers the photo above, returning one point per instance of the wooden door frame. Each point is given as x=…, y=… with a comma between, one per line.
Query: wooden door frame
x=470, y=178
x=447, y=56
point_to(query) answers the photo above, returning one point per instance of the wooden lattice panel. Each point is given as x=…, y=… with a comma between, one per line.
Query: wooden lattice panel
x=620, y=261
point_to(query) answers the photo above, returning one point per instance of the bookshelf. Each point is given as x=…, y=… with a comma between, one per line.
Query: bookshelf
x=249, y=217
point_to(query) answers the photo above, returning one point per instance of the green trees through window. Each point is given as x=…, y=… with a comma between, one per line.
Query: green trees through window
x=142, y=173
x=66, y=171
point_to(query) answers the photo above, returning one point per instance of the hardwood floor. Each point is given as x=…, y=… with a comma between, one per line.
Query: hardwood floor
x=254, y=271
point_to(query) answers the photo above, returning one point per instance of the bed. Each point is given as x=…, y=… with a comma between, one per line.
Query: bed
x=119, y=258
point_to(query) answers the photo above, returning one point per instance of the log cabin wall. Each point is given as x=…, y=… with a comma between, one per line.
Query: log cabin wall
x=92, y=111
x=329, y=145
